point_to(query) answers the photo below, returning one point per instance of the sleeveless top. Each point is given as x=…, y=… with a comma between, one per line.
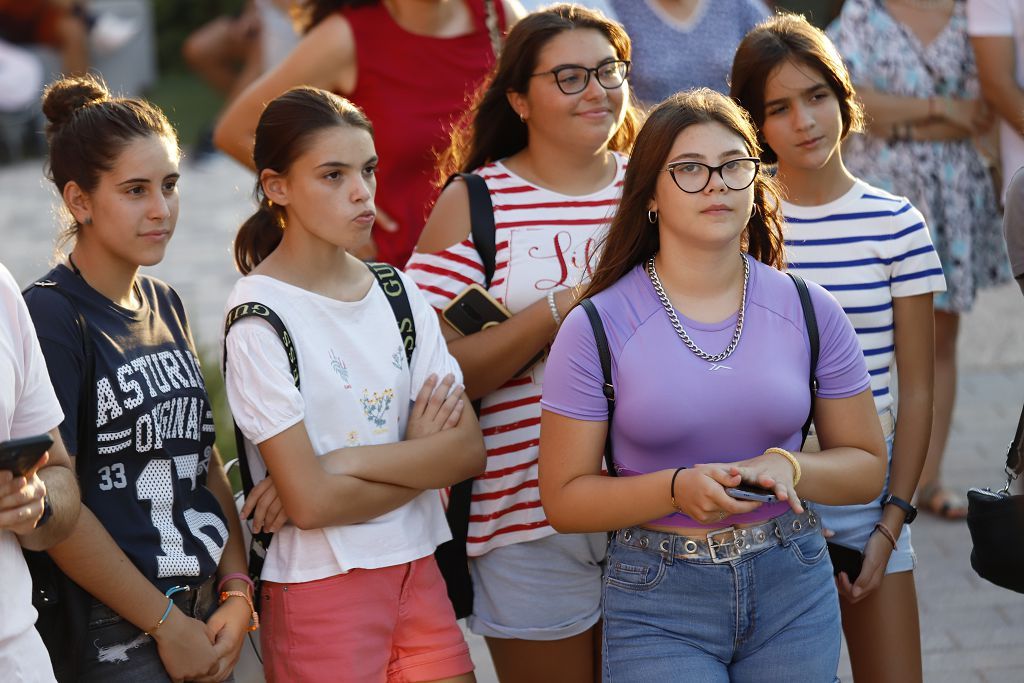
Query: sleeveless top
x=413, y=87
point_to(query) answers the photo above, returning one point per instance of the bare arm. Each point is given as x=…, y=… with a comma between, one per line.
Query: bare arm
x=61, y=486
x=996, y=65
x=936, y=118
x=513, y=12
x=324, y=58
x=493, y=356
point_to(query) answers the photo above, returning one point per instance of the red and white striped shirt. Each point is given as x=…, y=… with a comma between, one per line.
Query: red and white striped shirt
x=545, y=241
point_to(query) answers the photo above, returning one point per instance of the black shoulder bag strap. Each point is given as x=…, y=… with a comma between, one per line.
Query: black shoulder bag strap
x=398, y=299
x=62, y=604
x=253, y=309
x=811, y=321
x=601, y=339
x=481, y=220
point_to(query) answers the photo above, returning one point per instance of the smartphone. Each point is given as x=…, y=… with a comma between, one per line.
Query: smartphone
x=474, y=309
x=845, y=559
x=20, y=455
x=750, y=492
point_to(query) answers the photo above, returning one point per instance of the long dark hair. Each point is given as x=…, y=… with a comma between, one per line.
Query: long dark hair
x=632, y=239
x=284, y=132
x=87, y=128
x=490, y=129
x=775, y=41
x=311, y=12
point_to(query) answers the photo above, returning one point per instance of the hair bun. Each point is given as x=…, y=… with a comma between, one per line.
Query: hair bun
x=66, y=96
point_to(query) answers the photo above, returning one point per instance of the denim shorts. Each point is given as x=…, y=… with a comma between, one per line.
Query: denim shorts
x=854, y=524
x=767, y=615
x=118, y=652
x=548, y=589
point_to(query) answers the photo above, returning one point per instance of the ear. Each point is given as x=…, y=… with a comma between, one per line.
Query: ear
x=519, y=104
x=78, y=202
x=275, y=186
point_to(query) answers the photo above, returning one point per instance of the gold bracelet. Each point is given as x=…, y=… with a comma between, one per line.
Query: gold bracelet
x=792, y=461
x=254, y=620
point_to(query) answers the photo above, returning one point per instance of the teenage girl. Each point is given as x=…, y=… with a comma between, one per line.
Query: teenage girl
x=157, y=543
x=548, y=136
x=872, y=251
x=351, y=590
x=710, y=366
x=410, y=65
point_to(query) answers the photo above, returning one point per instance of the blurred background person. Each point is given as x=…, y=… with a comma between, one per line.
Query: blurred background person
x=914, y=71
x=412, y=95
x=1013, y=226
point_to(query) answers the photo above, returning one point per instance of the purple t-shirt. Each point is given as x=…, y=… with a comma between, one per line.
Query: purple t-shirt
x=674, y=409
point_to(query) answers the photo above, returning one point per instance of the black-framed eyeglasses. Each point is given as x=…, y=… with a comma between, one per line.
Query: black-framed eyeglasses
x=693, y=176
x=573, y=79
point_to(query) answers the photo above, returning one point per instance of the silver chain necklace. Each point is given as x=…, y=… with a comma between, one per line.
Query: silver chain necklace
x=674, y=319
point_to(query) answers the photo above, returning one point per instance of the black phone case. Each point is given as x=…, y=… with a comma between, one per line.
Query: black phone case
x=19, y=455
x=845, y=559
x=471, y=312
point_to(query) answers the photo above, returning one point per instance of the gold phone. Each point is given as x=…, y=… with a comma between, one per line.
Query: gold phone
x=474, y=309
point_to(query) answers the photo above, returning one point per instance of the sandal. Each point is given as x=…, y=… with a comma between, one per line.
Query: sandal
x=937, y=500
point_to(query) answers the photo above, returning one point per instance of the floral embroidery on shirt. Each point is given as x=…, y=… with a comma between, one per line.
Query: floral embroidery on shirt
x=353, y=439
x=396, y=358
x=376, y=405
x=339, y=367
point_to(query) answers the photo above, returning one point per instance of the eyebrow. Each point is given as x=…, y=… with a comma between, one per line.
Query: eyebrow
x=602, y=62
x=144, y=181
x=343, y=165
x=732, y=153
x=804, y=92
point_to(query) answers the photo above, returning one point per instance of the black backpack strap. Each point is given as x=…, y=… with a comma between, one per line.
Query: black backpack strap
x=398, y=298
x=481, y=219
x=606, y=369
x=811, y=321
x=253, y=309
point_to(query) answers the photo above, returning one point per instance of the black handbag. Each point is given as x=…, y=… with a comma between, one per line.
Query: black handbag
x=996, y=523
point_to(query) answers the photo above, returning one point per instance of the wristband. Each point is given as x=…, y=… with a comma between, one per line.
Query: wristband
x=792, y=461
x=170, y=605
x=554, y=307
x=241, y=577
x=884, y=530
x=254, y=620
x=672, y=490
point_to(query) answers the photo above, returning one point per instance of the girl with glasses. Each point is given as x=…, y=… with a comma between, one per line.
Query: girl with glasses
x=157, y=546
x=547, y=134
x=350, y=590
x=710, y=362
x=410, y=65
x=872, y=251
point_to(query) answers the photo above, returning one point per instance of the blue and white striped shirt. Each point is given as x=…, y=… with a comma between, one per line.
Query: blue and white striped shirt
x=866, y=248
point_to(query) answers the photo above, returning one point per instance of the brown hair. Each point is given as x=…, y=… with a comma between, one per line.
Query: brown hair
x=631, y=238
x=308, y=14
x=775, y=41
x=284, y=132
x=88, y=128
x=490, y=129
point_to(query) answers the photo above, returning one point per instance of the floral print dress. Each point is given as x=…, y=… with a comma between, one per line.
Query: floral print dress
x=946, y=180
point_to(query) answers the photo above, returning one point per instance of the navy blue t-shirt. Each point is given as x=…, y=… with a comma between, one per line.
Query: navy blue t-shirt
x=146, y=480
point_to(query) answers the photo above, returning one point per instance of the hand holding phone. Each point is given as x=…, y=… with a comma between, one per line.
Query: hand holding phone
x=19, y=456
x=845, y=559
x=751, y=492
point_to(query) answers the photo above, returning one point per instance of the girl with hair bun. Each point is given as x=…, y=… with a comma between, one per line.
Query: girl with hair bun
x=710, y=364
x=358, y=440
x=158, y=545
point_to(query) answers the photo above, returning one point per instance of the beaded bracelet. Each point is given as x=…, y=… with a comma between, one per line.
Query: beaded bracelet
x=672, y=490
x=554, y=307
x=241, y=577
x=170, y=605
x=254, y=620
x=884, y=530
x=792, y=461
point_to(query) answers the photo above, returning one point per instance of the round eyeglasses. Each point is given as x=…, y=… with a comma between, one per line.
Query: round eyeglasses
x=573, y=79
x=693, y=176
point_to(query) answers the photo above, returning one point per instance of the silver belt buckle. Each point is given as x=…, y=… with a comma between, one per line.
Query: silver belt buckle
x=713, y=547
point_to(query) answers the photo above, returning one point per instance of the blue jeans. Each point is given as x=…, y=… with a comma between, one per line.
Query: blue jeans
x=770, y=615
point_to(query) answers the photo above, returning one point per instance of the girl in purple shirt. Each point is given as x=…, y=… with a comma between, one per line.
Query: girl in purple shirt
x=710, y=364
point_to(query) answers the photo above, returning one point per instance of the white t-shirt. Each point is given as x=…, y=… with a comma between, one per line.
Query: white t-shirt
x=866, y=248
x=989, y=18
x=356, y=390
x=28, y=407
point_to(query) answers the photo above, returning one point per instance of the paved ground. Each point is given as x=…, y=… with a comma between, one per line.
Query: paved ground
x=971, y=630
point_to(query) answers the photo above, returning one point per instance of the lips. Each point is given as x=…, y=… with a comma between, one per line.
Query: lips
x=717, y=208
x=594, y=113
x=156, y=234
x=807, y=144
x=366, y=217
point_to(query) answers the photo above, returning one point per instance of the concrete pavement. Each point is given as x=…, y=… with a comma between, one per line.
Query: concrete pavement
x=971, y=630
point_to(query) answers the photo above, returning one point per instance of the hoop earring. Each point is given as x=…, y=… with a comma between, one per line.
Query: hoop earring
x=652, y=217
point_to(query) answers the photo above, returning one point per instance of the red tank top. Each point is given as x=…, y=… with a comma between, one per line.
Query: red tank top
x=412, y=88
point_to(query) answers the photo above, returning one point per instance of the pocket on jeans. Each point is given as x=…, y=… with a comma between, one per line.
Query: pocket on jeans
x=634, y=570
x=101, y=616
x=810, y=549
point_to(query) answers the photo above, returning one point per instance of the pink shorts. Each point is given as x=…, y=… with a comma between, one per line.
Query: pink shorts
x=387, y=624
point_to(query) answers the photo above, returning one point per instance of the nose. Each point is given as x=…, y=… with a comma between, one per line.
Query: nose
x=804, y=119
x=716, y=183
x=594, y=89
x=361, y=190
x=160, y=209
